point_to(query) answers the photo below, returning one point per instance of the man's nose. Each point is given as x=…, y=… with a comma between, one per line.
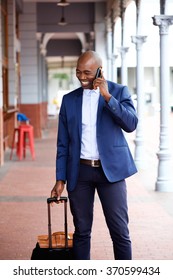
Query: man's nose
x=82, y=76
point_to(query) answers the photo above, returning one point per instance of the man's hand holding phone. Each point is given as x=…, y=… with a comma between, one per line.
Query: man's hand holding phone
x=102, y=84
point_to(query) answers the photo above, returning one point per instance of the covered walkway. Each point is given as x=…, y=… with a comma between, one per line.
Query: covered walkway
x=25, y=185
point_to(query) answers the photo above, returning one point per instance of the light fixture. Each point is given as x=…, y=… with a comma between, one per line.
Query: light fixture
x=63, y=3
x=62, y=22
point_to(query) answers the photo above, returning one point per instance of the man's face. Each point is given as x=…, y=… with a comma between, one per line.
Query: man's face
x=85, y=72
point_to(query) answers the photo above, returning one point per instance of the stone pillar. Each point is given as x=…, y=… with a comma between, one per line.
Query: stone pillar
x=109, y=52
x=139, y=141
x=100, y=47
x=40, y=82
x=44, y=74
x=113, y=57
x=100, y=43
x=99, y=28
x=114, y=68
x=42, y=70
x=164, y=178
x=123, y=51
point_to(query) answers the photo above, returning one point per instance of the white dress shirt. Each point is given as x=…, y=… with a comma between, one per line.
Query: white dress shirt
x=89, y=149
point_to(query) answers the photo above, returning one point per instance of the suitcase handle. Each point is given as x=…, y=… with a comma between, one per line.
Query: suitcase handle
x=54, y=199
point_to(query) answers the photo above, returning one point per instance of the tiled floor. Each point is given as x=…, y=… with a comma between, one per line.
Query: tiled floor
x=25, y=185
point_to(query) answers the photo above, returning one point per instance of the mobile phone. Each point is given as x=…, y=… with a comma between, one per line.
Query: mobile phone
x=98, y=73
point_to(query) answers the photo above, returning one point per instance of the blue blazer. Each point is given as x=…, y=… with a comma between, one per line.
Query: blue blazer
x=113, y=117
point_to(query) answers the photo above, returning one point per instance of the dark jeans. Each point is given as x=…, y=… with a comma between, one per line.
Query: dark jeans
x=113, y=198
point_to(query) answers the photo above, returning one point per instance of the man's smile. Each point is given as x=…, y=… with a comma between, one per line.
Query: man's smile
x=84, y=83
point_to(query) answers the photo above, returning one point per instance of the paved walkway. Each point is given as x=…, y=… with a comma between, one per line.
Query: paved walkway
x=25, y=185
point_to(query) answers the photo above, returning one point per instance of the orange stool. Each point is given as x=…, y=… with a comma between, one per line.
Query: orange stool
x=23, y=132
x=15, y=134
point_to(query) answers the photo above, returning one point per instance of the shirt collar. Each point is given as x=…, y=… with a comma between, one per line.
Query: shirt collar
x=90, y=91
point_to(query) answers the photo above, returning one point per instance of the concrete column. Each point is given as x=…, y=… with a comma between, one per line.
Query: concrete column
x=164, y=178
x=43, y=52
x=100, y=47
x=100, y=31
x=113, y=56
x=123, y=50
x=114, y=68
x=109, y=52
x=42, y=83
x=40, y=80
x=139, y=141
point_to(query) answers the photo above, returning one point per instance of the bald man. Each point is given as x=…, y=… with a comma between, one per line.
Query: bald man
x=93, y=155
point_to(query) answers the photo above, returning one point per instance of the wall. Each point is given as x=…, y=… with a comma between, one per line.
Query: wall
x=1, y=102
x=33, y=101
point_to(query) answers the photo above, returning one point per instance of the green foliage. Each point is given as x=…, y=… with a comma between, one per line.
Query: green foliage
x=61, y=76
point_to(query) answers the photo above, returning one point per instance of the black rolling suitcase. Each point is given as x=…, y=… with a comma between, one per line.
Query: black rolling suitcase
x=56, y=246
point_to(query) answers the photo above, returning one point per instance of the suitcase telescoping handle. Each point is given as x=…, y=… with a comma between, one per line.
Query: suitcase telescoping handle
x=49, y=201
x=54, y=199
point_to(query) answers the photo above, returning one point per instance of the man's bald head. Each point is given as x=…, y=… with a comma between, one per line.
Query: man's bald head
x=91, y=56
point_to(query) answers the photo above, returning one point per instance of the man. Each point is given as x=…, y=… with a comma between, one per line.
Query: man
x=92, y=154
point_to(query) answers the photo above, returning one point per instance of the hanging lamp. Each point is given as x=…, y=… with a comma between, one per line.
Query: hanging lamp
x=63, y=3
x=62, y=21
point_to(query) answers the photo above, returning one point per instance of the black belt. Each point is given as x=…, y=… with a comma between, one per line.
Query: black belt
x=93, y=163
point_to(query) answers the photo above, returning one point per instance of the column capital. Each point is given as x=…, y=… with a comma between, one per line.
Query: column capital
x=108, y=25
x=163, y=21
x=43, y=50
x=114, y=57
x=138, y=40
x=123, y=50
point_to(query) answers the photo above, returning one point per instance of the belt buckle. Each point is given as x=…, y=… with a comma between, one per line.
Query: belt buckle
x=94, y=163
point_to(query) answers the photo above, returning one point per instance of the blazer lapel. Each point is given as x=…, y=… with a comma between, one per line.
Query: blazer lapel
x=79, y=96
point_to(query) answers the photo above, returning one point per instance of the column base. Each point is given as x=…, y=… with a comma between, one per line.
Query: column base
x=140, y=164
x=164, y=186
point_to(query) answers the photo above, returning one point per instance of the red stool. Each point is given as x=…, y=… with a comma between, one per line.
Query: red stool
x=23, y=132
x=15, y=142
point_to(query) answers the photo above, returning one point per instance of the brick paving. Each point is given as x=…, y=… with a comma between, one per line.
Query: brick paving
x=25, y=185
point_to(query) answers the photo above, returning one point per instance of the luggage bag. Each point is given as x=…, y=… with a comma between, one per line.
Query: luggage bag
x=56, y=246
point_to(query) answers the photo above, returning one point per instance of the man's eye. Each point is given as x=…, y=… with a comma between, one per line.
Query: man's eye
x=85, y=73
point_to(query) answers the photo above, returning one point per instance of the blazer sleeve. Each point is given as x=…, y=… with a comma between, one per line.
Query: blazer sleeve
x=122, y=109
